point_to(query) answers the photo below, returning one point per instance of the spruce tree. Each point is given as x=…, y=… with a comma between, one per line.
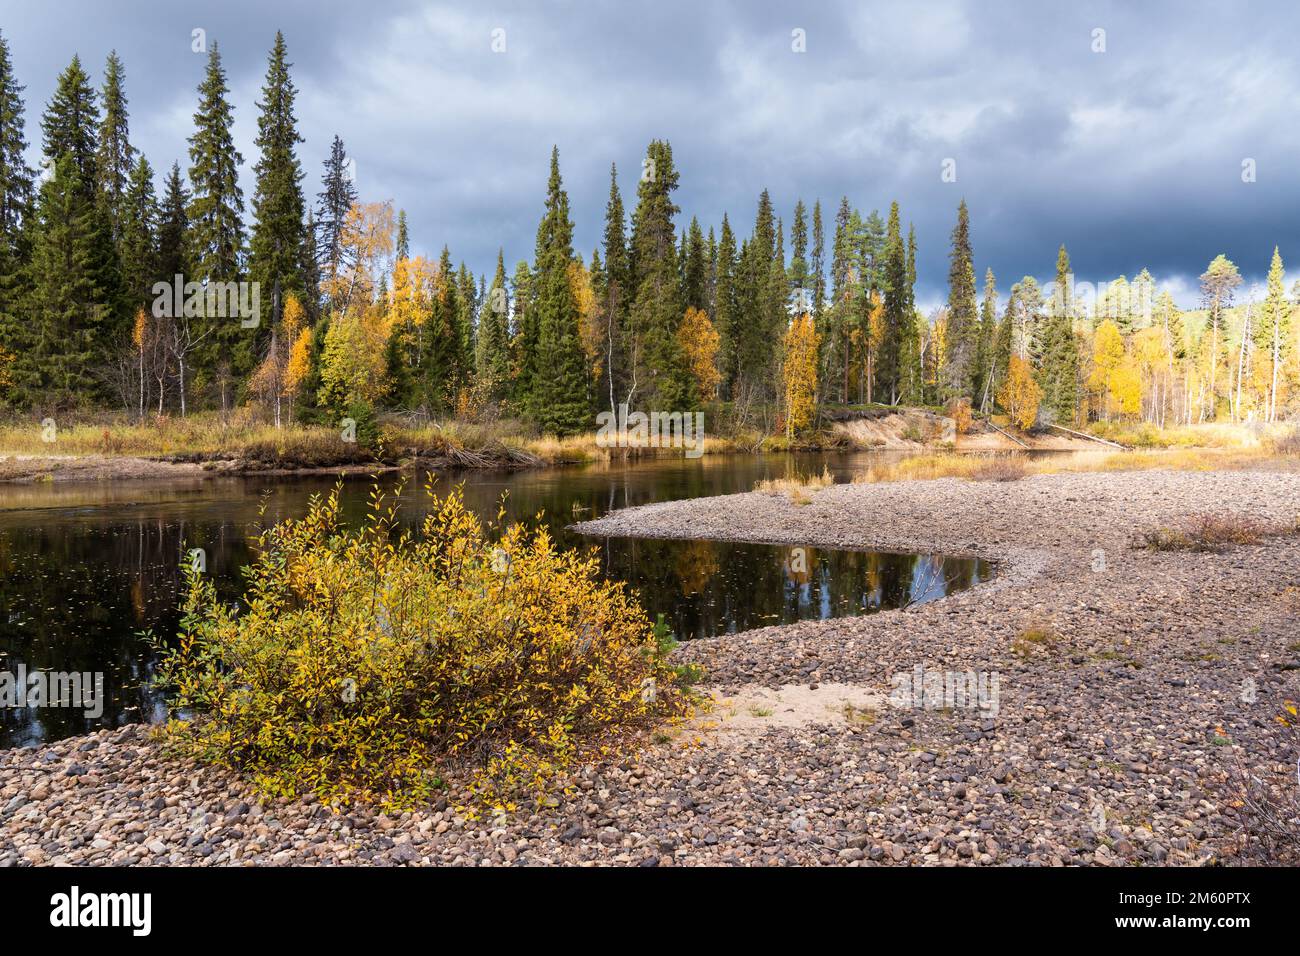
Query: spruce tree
x=275, y=247
x=336, y=198
x=560, y=397
x=962, y=315
x=523, y=339
x=174, y=228
x=1058, y=354
x=77, y=326
x=467, y=306
x=69, y=125
x=139, y=243
x=440, y=350
x=216, y=229
x=69, y=305
x=1272, y=333
x=695, y=269
x=761, y=314
x=493, y=337
x=310, y=270
x=16, y=183
x=798, y=275
x=984, y=352
x=818, y=267
x=114, y=159
x=725, y=309
x=403, y=248
x=898, y=318
x=657, y=307
x=615, y=298
x=216, y=206
x=16, y=195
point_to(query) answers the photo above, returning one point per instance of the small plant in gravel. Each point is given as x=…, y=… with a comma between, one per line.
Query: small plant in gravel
x=370, y=664
x=1032, y=637
x=1207, y=532
x=1269, y=803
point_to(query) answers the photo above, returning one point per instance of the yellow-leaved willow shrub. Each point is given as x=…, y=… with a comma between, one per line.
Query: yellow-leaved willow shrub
x=374, y=664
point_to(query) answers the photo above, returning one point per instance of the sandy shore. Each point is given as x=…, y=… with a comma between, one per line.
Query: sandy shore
x=1130, y=684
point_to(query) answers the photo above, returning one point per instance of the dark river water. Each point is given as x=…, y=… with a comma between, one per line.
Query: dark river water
x=85, y=568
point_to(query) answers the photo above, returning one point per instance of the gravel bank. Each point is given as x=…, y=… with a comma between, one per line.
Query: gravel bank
x=1129, y=684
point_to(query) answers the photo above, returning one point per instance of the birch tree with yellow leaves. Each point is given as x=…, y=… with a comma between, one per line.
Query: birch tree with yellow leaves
x=799, y=373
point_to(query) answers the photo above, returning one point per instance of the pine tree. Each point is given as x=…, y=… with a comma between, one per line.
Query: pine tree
x=114, y=160
x=560, y=398
x=275, y=247
x=962, y=315
x=657, y=307
x=216, y=206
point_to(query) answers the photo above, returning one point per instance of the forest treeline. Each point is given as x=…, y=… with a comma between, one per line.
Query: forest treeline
x=770, y=325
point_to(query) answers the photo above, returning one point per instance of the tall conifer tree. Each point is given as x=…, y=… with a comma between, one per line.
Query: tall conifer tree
x=560, y=390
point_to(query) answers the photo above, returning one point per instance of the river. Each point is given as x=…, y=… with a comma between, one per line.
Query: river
x=86, y=568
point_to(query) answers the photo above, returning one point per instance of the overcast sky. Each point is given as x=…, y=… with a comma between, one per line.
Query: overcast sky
x=1132, y=157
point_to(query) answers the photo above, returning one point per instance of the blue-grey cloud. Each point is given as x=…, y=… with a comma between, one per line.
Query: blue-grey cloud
x=1132, y=156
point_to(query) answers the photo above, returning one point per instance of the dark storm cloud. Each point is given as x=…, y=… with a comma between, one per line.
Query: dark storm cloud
x=1132, y=157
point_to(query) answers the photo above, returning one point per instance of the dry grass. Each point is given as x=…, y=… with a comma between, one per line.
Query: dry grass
x=1209, y=532
x=204, y=435
x=1224, y=435
x=1287, y=443
x=1009, y=467
x=796, y=489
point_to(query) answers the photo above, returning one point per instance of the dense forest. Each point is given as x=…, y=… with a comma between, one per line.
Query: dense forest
x=769, y=327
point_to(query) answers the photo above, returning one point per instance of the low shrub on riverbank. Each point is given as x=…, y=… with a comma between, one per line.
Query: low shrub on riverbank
x=1208, y=532
x=372, y=664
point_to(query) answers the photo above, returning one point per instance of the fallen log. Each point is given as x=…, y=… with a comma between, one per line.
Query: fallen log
x=1003, y=431
x=1071, y=431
